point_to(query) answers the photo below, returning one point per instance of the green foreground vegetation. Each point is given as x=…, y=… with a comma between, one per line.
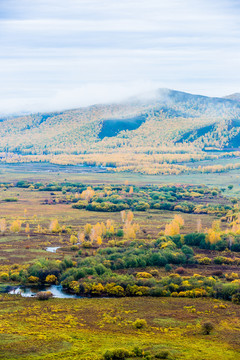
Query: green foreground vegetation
x=155, y=269
x=88, y=328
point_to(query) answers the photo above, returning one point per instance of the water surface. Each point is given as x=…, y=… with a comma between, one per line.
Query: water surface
x=56, y=290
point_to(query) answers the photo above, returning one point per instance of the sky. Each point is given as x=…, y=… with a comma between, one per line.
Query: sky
x=58, y=54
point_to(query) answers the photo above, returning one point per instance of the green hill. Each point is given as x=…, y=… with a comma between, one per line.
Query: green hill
x=149, y=123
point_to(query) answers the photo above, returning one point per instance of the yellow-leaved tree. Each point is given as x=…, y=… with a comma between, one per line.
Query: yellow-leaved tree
x=54, y=226
x=87, y=194
x=73, y=239
x=27, y=228
x=173, y=228
x=16, y=226
x=3, y=225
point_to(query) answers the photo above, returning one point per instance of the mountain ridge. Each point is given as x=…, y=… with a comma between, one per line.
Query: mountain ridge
x=147, y=121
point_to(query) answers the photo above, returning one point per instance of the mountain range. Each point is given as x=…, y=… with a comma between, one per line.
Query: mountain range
x=150, y=122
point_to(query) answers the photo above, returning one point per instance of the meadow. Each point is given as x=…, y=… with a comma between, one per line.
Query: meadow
x=154, y=266
x=87, y=328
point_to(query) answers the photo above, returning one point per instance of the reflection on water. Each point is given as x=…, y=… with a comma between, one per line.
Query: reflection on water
x=56, y=290
x=52, y=168
x=52, y=249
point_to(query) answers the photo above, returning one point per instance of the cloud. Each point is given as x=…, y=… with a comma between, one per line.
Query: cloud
x=87, y=94
x=67, y=54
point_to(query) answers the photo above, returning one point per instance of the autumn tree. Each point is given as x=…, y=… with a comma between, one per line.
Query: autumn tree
x=173, y=228
x=199, y=225
x=87, y=229
x=27, y=228
x=130, y=229
x=87, y=194
x=16, y=226
x=81, y=237
x=73, y=239
x=3, y=225
x=123, y=215
x=54, y=226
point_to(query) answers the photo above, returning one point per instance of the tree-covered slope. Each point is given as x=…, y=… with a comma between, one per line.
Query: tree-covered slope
x=146, y=123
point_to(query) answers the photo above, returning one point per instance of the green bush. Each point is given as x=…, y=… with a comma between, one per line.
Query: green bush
x=195, y=239
x=163, y=354
x=236, y=298
x=142, y=206
x=81, y=204
x=106, y=206
x=10, y=200
x=120, y=233
x=140, y=323
x=168, y=267
x=207, y=327
x=117, y=354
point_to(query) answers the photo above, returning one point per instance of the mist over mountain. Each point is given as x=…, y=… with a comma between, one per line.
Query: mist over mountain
x=234, y=97
x=148, y=121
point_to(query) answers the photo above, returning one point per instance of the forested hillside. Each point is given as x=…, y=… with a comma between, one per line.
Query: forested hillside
x=164, y=122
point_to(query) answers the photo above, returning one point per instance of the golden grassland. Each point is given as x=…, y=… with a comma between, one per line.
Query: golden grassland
x=19, y=247
x=86, y=328
x=179, y=161
x=46, y=172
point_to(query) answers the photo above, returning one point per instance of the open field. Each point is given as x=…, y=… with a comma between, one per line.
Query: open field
x=119, y=199
x=86, y=328
x=90, y=175
x=148, y=265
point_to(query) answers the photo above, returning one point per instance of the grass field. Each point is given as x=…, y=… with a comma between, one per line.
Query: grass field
x=41, y=172
x=30, y=208
x=86, y=327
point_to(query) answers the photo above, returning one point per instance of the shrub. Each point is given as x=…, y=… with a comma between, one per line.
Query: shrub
x=81, y=204
x=33, y=279
x=180, y=270
x=144, y=275
x=4, y=276
x=162, y=354
x=138, y=352
x=115, y=290
x=168, y=267
x=14, y=276
x=106, y=207
x=158, y=292
x=120, y=233
x=207, y=327
x=142, y=206
x=51, y=279
x=154, y=272
x=137, y=290
x=140, y=323
x=236, y=298
x=195, y=239
x=187, y=251
x=205, y=261
x=217, y=273
x=226, y=291
x=10, y=199
x=44, y=295
x=222, y=260
x=97, y=289
x=117, y=354
x=156, y=259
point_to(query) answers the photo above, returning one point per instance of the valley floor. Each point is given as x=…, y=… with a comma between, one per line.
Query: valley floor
x=171, y=326
x=85, y=328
